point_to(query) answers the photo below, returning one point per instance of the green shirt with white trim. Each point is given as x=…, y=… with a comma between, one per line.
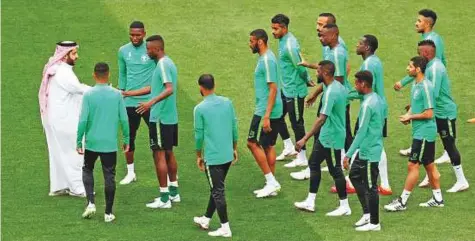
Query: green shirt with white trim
x=332, y=133
x=164, y=111
x=422, y=98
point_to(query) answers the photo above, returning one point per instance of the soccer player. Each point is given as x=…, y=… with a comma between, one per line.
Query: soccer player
x=294, y=89
x=102, y=110
x=367, y=47
x=268, y=108
x=331, y=124
x=425, y=25
x=368, y=144
x=216, y=132
x=164, y=117
x=424, y=130
x=135, y=73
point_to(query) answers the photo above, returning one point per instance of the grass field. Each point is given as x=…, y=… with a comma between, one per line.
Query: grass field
x=212, y=36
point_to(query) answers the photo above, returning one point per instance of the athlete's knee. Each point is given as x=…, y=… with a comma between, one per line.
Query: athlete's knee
x=251, y=144
x=336, y=172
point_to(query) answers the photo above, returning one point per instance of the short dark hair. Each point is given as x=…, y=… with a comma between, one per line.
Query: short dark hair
x=330, y=26
x=101, y=69
x=137, y=24
x=156, y=38
x=427, y=42
x=281, y=19
x=429, y=14
x=371, y=41
x=364, y=76
x=330, y=16
x=260, y=34
x=328, y=65
x=419, y=62
x=206, y=81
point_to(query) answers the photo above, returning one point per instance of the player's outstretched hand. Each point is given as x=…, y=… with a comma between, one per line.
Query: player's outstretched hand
x=144, y=107
x=299, y=144
x=310, y=101
x=405, y=119
x=398, y=86
x=311, y=83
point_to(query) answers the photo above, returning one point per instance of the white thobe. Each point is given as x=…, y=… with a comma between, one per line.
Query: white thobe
x=60, y=125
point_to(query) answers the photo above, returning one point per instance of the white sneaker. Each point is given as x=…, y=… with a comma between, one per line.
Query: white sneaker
x=296, y=163
x=90, y=211
x=82, y=195
x=130, y=177
x=443, y=159
x=395, y=205
x=305, y=206
x=432, y=203
x=268, y=190
x=157, y=203
x=175, y=199
x=340, y=211
x=59, y=192
x=458, y=187
x=258, y=190
x=301, y=175
x=425, y=182
x=369, y=227
x=202, y=222
x=405, y=152
x=324, y=169
x=287, y=152
x=221, y=232
x=109, y=218
x=363, y=220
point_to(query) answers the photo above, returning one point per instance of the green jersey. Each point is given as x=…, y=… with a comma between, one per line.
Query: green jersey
x=135, y=72
x=333, y=132
x=341, y=42
x=267, y=72
x=422, y=98
x=374, y=65
x=102, y=110
x=439, y=45
x=294, y=76
x=216, y=131
x=164, y=111
x=339, y=56
x=369, y=138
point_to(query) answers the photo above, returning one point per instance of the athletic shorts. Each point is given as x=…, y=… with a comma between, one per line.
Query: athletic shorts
x=426, y=148
x=166, y=139
x=446, y=127
x=265, y=139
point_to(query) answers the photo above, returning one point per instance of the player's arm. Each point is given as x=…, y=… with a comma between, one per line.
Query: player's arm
x=124, y=124
x=143, y=91
x=198, y=124
x=354, y=95
x=235, y=125
x=271, y=99
x=405, y=81
x=82, y=125
x=271, y=77
x=436, y=79
x=167, y=92
x=365, y=115
x=313, y=96
x=296, y=58
x=122, y=72
x=315, y=127
x=340, y=67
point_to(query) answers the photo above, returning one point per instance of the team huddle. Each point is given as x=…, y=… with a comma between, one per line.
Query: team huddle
x=147, y=90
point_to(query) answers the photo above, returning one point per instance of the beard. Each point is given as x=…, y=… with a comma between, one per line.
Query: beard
x=255, y=49
x=152, y=56
x=319, y=79
x=70, y=61
x=201, y=92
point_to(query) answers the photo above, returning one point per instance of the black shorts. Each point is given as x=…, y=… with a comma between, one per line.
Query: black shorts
x=166, y=139
x=385, y=127
x=427, y=148
x=446, y=127
x=134, y=124
x=265, y=139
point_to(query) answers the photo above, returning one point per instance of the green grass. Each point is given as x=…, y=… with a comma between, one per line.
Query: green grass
x=212, y=36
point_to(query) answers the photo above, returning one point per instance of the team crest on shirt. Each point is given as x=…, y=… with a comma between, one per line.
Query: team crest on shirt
x=129, y=56
x=416, y=94
x=144, y=58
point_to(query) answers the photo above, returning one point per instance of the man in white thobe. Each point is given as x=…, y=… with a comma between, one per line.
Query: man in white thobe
x=60, y=98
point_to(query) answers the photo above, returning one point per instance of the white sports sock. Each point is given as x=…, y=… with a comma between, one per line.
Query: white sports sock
x=225, y=226
x=344, y=203
x=173, y=184
x=163, y=189
x=383, y=170
x=302, y=155
x=288, y=144
x=311, y=197
x=445, y=156
x=459, y=174
x=270, y=179
x=404, y=196
x=366, y=215
x=437, y=194
x=130, y=168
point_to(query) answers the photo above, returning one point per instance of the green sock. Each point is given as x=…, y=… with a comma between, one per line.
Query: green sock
x=164, y=196
x=173, y=191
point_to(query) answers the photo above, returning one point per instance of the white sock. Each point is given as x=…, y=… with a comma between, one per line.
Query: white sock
x=270, y=179
x=459, y=174
x=404, y=196
x=302, y=155
x=311, y=197
x=163, y=189
x=445, y=156
x=344, y=203
x=366, y=215
x=437, y=194
x=173, y=184
x=91, y=204
x=130, y=168
x=288, y=143
x=225, y=226
x=383, y=170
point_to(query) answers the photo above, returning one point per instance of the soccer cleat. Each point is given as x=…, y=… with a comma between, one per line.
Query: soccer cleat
x=363, y=220
x=90, y=211
x=128, y=179
x=109, y=218
x=296, y=163
x=202, y=222
x=82, y=195
x=221, y=232
x=432, y=203
x=443, y=159
x=395, y=205
x=459, y=186
x=340, y=211
x=59, y=193
x=287, y=152
x=425, y=182
x=157, y=203
x=405, y=152
x=349, y=189
x=369, y=227
x=268, y=190
x=305, y=206
x=385, y=191
x=301, y=175
x=258, y=190
x=176, y=198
